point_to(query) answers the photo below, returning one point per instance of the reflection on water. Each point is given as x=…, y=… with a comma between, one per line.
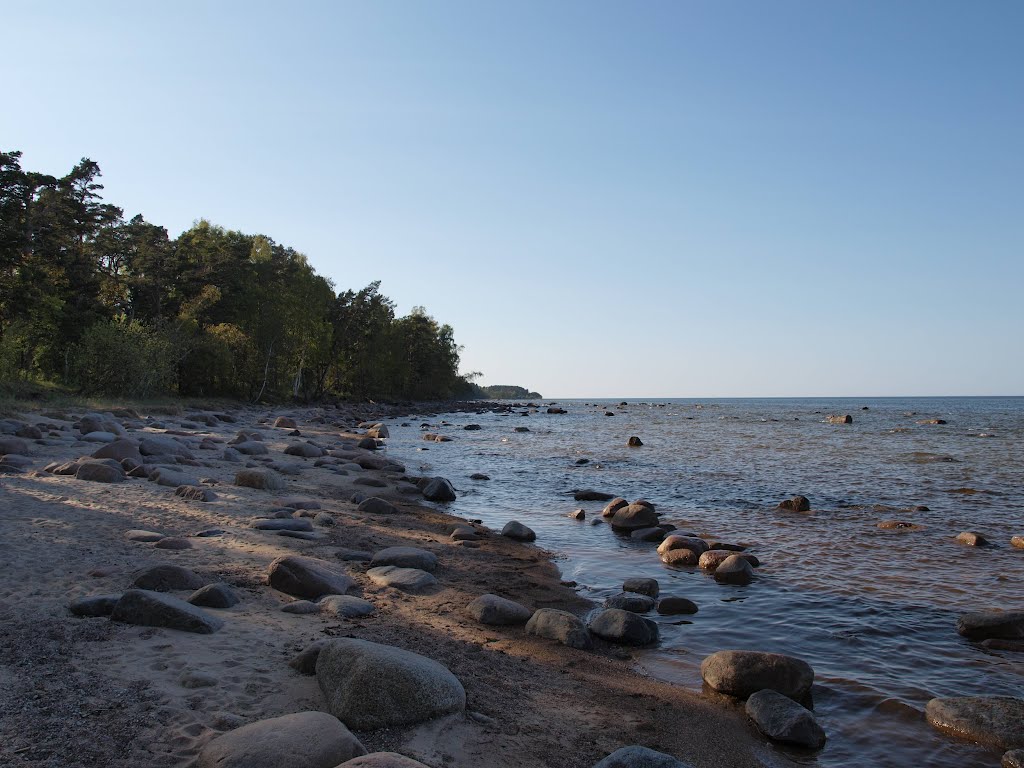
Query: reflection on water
x=872, y=610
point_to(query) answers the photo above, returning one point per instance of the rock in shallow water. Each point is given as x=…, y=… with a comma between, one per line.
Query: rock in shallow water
x=307, y=739
x=741, y=673
x=642, y=586
x=370, y=686
x=673, y=606
x=735, y=569
x=630, y=601
x=995, y=721
x=982, y=625
x=618, y=626
x=782, y=719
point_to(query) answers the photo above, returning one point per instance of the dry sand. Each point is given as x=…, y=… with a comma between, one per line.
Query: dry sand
x=91, y=692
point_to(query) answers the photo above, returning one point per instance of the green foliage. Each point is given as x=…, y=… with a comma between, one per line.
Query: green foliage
x=509, y=392
x=125, y=358
x=116, y=307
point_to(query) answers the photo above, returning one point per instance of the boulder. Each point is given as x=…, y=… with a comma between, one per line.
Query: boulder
x=994, y=721
x=100, y=471
x=678, y=541
x=406, y=557
x=376, y=506
x=618, y=626
x=561, y=626
x=639, y=757
x=13, y=445
x=383, y=760
x=298, y=502
x=168, y=578
x=578, y=514
x=144, y=536
x=214, y=596
x=653, y=534
x=155, y=609
x=283, y=524
x=119, y=450
x=285, y=422
x=251, y=448
x=614, y=506
x=299, y=740
x=370, y=686
x=713, y=558
x=1017, y=541
x=735, y=569
x=1013, y=759
x=780, y=718
x=307, y=577
x=406, y=579
x=491, y=609
x=261, y=479
x=972, y=539
x=162, y=445
x=173, y=542
x=634, y=516
x=741, y=673
x=516, y=530
x=630, y=601
x=305, y=450
x=795, y=504
x=680, y=558
x=674, y=606
x=94, y=605
x=635, y=442
x=840, y=419
x=982, y=625
x=345, y=606
x=439, y=489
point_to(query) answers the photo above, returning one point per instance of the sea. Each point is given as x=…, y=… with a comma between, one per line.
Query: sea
x=872, y=610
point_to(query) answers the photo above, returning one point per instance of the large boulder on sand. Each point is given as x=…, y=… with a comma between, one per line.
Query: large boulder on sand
x=100, y=471
x=307, y=577
x=262, y=479
x=561, y=626
x=383, y=760
x=299, y=740
x=406, y=557
x=492, y=609
x=741, y=673
x=370, y=686
x=168, y=578
x=639, y=757
x=155, y=609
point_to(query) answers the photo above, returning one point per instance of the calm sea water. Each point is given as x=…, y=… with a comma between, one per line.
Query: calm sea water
x=873, y=611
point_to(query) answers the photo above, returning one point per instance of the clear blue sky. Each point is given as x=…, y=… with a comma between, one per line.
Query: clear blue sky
x=604, y=199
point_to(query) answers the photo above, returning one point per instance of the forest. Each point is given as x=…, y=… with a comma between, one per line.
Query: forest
x=104, y=306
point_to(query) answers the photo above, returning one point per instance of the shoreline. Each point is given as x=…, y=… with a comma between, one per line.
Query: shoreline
x=162, y=694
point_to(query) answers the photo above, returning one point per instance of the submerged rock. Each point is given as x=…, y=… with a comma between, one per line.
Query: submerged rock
x=995, y=721
x=982, y=625
x=639, y=757
x=642, y=586
x=795, y=504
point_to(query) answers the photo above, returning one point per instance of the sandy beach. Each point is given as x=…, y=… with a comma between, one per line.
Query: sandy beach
x=89, y=691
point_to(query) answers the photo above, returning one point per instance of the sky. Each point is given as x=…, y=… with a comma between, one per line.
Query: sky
x=604, y=199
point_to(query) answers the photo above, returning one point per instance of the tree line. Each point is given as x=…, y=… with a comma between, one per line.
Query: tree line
x=114, y=307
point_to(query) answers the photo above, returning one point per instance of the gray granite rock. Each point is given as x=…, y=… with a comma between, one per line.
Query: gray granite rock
x=406, y=579
x=640, y=757
x=630, y=601
x=780, y=718
x=299, y=740
x=994, y=721
x=371, y=686
x=625, y=627
x=94, y=605
x=168, y=578
x=741, y=673
x=214, y=596
x=406, y=557
x=156, y=609
x=492, y=609
x=307, y=577
x=562, y=626
x=261, y=479
x=345, y=606
x=376, y=506
x=516, y=530
x=642, y=586
x=439, y=489
x=982, y=625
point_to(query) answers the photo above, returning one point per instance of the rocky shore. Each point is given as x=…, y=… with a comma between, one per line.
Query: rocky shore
x=253, y=588
x=250, y=588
